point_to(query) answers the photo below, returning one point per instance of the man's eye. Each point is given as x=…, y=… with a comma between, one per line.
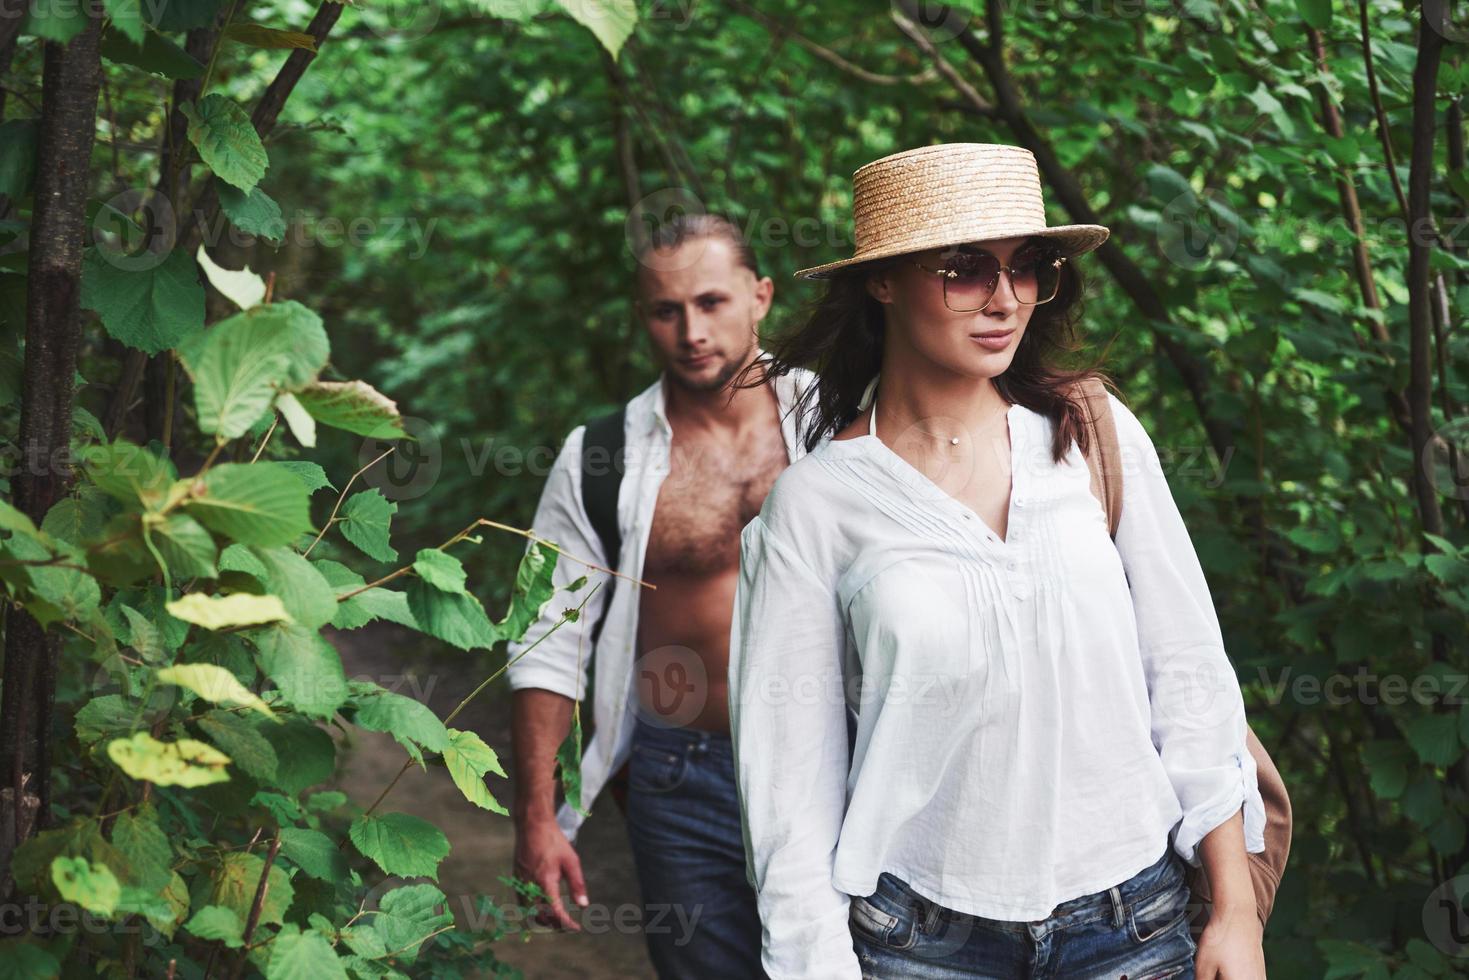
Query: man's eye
x=710, y=303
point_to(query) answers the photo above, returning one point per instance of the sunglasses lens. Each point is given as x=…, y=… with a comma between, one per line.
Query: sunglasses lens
x=1037, y=278
x=973, y=280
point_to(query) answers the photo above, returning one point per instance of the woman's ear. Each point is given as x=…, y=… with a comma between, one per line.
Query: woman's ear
x=879, y=286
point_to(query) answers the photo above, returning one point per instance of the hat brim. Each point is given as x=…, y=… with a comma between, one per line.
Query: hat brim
x=1073, y=239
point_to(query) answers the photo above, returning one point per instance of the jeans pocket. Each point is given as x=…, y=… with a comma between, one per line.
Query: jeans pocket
x=653, y=769
x=1159, y=913
x=884, y=918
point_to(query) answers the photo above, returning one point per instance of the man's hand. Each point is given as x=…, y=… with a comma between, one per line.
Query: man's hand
x=544, y=855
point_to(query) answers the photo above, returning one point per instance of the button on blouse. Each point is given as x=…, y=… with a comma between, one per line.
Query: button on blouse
x=1037, y=717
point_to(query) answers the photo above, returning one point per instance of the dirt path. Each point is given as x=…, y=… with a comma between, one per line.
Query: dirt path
x=483, y=842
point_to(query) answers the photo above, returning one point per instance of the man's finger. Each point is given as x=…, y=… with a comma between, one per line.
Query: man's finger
x=572, y=870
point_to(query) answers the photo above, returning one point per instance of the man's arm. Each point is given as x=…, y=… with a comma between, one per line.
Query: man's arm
x=546, y=682
x=539, y=723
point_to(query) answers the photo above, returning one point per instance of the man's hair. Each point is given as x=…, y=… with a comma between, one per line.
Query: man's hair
x=687, y=227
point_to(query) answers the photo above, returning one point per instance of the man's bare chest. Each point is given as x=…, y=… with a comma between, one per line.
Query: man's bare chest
x=711, y=492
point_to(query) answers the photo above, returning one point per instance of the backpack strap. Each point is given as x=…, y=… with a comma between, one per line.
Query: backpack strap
x=1105, y=458
x=603, y=463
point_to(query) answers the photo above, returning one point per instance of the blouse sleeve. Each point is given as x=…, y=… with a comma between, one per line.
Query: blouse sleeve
x=1198, y=716
x=788, y=725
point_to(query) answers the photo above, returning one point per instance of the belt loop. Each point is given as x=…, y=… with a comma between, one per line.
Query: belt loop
x=1117, y=908
x=930, y=911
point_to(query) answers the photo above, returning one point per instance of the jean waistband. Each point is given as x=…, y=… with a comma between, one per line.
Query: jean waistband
x=1166, y=872
x=679, y=739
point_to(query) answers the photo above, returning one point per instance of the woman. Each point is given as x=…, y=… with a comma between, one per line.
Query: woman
x=974, y=736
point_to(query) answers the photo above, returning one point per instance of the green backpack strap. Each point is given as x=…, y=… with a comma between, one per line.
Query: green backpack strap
x=1105, y=457
x=603, y=464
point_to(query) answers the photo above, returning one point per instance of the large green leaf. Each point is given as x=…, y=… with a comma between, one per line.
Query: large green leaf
x=218, y=924
x=400, y=844
x=128, y=472
x=611, y=21
x=409, y=915
x=154, y=53
x=307, y=596
x=188, y=550
x=262, y=504
x=457, y=619
x=296, y=955
x=379, y=710
x=241, y=739
x=533, y=589
x=440, y=569
x=254, y=213
x=151, y=308
x=306, y=752
x=234, y=882
x=365, y=519
x=314, y=853
x=305, y=667
x=226, y=140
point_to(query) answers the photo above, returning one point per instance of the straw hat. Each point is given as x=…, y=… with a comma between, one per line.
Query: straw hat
x=949, y=194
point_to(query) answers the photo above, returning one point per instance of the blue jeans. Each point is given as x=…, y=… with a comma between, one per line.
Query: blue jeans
x=1137, y=929
x=683, y=821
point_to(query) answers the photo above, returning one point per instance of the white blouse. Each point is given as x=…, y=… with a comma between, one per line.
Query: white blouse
x=1036, y=717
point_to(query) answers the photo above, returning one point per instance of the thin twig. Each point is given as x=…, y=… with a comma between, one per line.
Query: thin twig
x=341, y=497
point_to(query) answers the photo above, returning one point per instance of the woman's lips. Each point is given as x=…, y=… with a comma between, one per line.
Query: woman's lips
x=993, y=341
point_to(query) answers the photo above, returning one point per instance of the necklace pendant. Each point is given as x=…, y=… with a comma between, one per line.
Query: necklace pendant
x=954, y=441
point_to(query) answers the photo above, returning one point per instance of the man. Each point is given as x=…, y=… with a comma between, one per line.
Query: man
x=700, y=458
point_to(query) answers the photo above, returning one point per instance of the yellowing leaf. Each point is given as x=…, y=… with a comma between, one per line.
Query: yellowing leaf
x=239, y=609
x=182, y=763
x=214, y=683
x=92, y=886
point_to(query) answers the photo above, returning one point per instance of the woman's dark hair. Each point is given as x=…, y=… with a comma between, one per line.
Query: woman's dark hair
x=841, y=339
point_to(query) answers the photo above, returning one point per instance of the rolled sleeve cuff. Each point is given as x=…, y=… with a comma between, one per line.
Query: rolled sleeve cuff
x=1239, y=787
x=545, y=678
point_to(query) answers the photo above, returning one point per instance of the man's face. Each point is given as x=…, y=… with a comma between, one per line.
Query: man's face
x=702, y=308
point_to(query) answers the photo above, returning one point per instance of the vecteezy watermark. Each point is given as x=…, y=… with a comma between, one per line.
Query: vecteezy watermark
x=939, y=21
x=1196, y=230
x=32, y=915
x=1446, y=917
x=412, y=469
x=135, y=230
x=1364, y=687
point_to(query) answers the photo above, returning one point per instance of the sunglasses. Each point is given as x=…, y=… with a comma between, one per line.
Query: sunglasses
x=971, y=275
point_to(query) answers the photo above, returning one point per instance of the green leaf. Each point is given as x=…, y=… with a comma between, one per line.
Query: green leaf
x=59, y=22
x=254, y=213
x=354, y=406
x=254, y=503
x=26, y=961
x=240, y=738
x=217, y=924
x=128, y=472
x=305, y=667
x=403, y=718
x=126, y=17
x=310, y=473
x=568, y=762
x=400, y=844
x=219, y=612
x=226, y=140
x=307, y=754
x=214, y=684
x=156, y=54
x=152, y=308
x=183, y=15
x=286, y=328
x=1317, y=13
x=314, y=853
x=440, y=569
x=407, y=916
x=308, y=598
x=533, y=589
x=103, y=717
x=234, y=381
x=138, y=835
x=611, y=21
x=92, y=886
x=365, y=519
x=18, y=141
x=187, y=549
x=233, y=885
x=73, y=594
x=457, y=619
x=301, y=424
x=296, y=955
x=469, y=759
x=1435, y=737
x=183, y=763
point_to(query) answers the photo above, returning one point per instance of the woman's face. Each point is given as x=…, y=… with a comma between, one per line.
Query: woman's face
x=920, y=323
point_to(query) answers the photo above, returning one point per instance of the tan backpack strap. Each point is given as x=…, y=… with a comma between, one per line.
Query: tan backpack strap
x=1105, y=457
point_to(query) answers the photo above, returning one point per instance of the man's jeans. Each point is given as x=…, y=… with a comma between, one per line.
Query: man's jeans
x=683, y=819
x=1138, y=929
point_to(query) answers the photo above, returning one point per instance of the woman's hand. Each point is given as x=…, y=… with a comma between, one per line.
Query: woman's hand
x=1231, y=947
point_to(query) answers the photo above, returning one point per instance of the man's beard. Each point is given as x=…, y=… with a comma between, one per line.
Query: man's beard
x=731, y=368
